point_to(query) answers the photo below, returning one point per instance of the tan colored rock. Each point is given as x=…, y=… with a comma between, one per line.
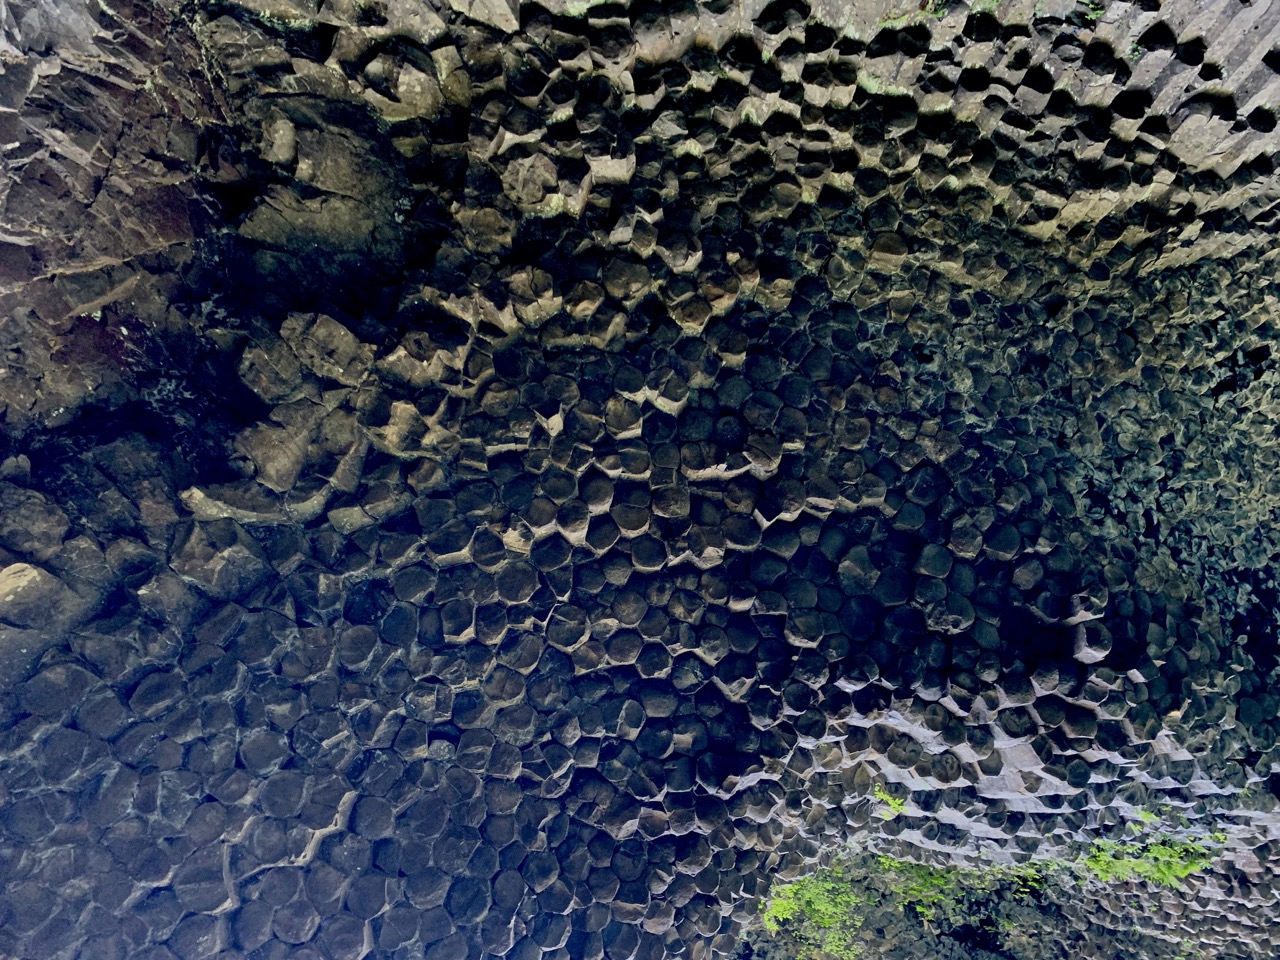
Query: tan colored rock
x=419, y=92
x=220, y=558
x=327, y=347
x=625, y=279
x=888, y=252
x=31, y=597
x=528, y=180
x=454, y=81
x=29, y=524
x=245, y=502
x=498, y=14
x=271, y=370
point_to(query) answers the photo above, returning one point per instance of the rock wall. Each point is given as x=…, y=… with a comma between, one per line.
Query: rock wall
x=484, y=481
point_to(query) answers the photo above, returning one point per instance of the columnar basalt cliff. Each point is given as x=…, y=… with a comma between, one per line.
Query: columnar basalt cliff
x=488, y=480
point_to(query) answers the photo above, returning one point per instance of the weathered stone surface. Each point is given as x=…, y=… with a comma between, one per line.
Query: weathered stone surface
x=31, y=597
x=533, y=470
x=220, y=558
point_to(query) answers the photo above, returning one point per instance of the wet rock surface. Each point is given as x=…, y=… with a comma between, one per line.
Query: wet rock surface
x=483, y=481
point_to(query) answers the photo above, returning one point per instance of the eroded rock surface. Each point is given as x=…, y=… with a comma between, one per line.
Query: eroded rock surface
x=485, y=481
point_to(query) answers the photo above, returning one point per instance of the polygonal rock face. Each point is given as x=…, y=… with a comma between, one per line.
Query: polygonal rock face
x=509, y=480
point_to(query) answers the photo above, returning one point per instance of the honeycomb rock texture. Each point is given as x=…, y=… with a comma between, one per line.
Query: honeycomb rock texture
x=493, y=479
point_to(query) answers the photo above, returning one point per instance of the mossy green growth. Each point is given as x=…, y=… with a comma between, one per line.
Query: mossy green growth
x=929, y=10
x=1163, y=861
x=820, y=912
x=1093, y=9
x=929, y=890
x=920, y=887
x=892, y=805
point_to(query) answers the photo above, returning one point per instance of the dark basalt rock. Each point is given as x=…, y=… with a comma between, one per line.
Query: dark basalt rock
x=509, y=480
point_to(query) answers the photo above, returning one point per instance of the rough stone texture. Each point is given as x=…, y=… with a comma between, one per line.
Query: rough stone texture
x=483, y=481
